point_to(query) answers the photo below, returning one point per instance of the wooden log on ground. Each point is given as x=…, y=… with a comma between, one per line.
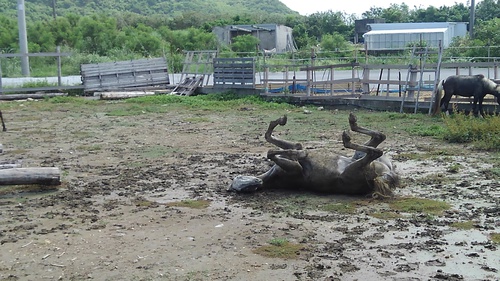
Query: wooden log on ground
x=20, y=176
x=122, y=95
x=31, y=96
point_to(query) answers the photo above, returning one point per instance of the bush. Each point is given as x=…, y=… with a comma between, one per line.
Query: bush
x=483, y=133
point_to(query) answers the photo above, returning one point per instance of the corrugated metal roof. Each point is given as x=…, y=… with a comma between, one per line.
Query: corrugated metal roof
x=253, y=27
x=405, y=31
x=411, y=25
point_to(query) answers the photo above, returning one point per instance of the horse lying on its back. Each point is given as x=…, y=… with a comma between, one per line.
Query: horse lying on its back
x=368, y=171
x=476, y=86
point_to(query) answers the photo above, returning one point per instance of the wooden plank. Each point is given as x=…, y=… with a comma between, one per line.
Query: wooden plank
x=234, y=72
x=122, y=95
x=383, y=81
x=188, y=86
x=124, y=69
x=338, y=81
x=331, y=66
x=289, y=80
x=233, y=65
x=125, y=74
x=31, y=96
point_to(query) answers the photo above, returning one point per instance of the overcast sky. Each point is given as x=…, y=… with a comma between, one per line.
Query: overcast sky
x=307, y=7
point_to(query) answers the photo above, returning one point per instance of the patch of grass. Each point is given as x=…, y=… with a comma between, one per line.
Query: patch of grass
x=280, y=248
x=221, y=101
x=419, y=205
x=495, y=237
x=427, y=130
x=156, y=151
x=136, y=109
x=343, y=208
x=386, y=215
x=94, y=147
x=482, y=133
x=465, y=225
x=192, y=276
x=454, y=168
x=71, y=100
x=197, y=119
x=278, y=241
x=31, y=188
x=491, y=173
x=193, y=204
x=82, y=134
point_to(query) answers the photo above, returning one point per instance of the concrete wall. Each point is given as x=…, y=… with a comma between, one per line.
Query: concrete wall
x=284, y=39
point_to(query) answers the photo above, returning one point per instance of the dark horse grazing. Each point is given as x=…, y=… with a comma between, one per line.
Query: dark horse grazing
x=476, y=86
x=3, y=124
x=367, y=172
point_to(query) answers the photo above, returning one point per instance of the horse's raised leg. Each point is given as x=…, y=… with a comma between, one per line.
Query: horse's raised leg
x=376, y=137
x=287, y=159
x=286, y=164
x=278, y=142
x=378, y=174
x=370, y=153
x=356, y=168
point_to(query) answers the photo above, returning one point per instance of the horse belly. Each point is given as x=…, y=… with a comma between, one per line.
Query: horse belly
x=323, y=176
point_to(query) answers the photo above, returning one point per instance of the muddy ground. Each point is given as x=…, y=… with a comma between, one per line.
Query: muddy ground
x=131, y=205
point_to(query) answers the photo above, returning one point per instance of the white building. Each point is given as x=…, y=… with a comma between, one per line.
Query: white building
x=397, y=36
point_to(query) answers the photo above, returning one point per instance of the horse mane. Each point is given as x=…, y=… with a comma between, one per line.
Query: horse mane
x=489, y=83
x=384, y=186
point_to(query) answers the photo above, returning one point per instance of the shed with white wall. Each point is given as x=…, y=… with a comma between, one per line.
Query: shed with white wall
x=397, y=36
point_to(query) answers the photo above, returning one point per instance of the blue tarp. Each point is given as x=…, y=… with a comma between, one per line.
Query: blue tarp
x=299, y=88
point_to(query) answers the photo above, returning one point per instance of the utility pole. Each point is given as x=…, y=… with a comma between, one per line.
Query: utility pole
x=472, y=18
x=54, y=9
x=23, y=38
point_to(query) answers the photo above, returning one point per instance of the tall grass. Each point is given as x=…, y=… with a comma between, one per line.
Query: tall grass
x=211, y=101
x=482, y=133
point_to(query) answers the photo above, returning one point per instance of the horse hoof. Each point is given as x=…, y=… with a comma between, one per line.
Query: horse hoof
x=346, y=137
x=282, y=120
x=353, y=120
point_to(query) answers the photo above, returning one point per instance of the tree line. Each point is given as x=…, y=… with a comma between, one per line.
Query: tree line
x=129, y=35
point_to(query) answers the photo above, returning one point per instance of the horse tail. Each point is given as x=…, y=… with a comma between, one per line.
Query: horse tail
x=437, y=97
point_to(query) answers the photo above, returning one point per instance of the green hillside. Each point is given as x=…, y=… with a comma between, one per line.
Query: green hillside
x=40, y=9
